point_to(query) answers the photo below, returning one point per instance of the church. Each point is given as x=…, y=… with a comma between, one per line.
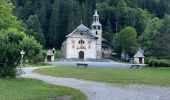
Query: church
x=84, y=43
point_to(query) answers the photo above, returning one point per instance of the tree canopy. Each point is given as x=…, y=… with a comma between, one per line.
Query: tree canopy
x=58, y=18
x=13, y=40
x=126, y=41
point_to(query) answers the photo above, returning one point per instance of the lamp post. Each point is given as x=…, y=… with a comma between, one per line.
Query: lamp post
x=22, y=55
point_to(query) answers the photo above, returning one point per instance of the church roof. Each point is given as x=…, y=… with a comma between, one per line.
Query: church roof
x=105, y=41
x=95, y=14
x=139, y=55
x=82, y=28
x=96, y=23
x=49, y=53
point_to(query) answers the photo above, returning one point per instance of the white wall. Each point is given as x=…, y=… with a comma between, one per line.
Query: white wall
x=89, y=53
x=136, y=61
x=98, y=42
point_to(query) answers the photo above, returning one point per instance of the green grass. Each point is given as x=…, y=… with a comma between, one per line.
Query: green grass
x=29, y=89
x=152, y=76
x=37, y=64
x=58, y=54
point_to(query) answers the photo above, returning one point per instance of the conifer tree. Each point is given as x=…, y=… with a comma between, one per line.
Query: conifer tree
x=108, y=34
x=33, y=28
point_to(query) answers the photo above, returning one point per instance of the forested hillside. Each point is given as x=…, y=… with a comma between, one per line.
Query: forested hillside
x=49, y=21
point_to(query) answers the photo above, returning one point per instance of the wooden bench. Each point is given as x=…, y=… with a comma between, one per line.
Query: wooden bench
x=82, y=65
x=136, y=66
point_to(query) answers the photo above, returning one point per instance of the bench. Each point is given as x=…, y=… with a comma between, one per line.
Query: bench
x=135, y=66
x=82, y=65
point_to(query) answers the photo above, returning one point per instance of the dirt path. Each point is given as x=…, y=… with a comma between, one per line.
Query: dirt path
x=104, y=91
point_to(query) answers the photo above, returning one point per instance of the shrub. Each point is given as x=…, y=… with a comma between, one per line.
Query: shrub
x=39, y=57
x=12, y=41
x=158, y=62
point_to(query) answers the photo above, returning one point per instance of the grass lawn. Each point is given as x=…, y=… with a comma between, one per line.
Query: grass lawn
x=29, y=89
x=153, y=76
x=36, y=64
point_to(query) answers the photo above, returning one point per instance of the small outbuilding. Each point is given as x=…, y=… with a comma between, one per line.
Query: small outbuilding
x=50, y=56
x=139, y=58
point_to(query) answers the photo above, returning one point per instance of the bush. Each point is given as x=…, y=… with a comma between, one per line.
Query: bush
x=165, y=57
x=158, y=62
x=40, y=57
x=12, y=41
x=58, y=54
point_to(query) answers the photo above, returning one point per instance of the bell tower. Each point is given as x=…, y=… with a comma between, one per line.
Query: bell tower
x=96, y=29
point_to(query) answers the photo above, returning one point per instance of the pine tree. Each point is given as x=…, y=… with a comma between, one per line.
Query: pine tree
x=108, y=34
x=33, y=28
x=27, y=10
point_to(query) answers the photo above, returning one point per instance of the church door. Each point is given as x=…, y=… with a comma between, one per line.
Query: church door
x=81, y=55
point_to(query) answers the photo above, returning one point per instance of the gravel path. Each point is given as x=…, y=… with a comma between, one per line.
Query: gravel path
x=104, y=91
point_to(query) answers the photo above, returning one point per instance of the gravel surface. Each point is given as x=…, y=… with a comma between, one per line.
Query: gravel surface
x=104, y=91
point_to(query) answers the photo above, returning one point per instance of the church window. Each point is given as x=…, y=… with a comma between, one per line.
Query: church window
x=81, y=42
x=94, y=27
x=96, y=32
x=94, y=18
x=99, y=27
x=73, y=46
x=89, y=46
x=81, y=33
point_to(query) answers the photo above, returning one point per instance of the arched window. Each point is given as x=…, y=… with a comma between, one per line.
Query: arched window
x=94, y=27
x=81, y=42
x=99, y=27
x=96, y=33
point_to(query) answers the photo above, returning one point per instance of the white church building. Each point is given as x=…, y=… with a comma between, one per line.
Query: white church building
x=85, y=43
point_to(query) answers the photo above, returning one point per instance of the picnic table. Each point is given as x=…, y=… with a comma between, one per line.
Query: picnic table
x=83, y=65
x=135, y=66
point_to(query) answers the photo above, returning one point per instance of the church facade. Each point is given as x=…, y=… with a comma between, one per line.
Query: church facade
x=85, y=43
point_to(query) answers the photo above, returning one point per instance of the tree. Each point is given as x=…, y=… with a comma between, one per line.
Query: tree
x=120, y=6
x=108, y=34
x=163, y=46
x=60, y=17
x=126, y=41
x=12, y=41
x=59, y=22
x=27, y=10
x=33, y=28
x=155, y=39
x=44, y=15
x=149, y=37
x=6, y=18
